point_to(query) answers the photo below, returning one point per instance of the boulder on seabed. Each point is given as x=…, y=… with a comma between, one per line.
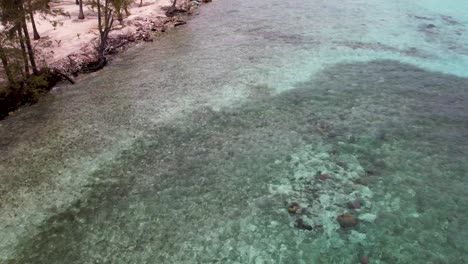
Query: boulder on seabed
x=294, y=208
x=355, y=204
x=347, y=220
x=365, y=260
x=302, y=225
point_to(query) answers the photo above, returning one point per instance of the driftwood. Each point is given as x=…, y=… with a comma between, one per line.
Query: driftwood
x=179, y=23
x=59, y=73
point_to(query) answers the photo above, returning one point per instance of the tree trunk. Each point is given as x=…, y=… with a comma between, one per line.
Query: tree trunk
x=141, y=3
x=36, y=34
x=81, y=14
x=4, y=60
x=31, y=14
x=28, y=44
x=104, y=29
x=23, y=49
x=172, y=10
x=77, y=2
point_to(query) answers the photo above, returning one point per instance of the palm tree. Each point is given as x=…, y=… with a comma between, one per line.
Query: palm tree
x=31, y=16
x=81, y=14
x=29, y=47
x=6, y=67
x=105, y=21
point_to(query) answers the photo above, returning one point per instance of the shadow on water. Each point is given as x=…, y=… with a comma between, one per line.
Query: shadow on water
x=198, y=190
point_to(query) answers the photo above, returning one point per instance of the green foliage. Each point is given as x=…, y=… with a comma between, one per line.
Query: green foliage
x=121, y=7
x=9, y=12
x=17, y=53
x=27, y=91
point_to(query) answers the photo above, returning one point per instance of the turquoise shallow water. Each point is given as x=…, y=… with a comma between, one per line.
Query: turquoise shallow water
x=191, y=149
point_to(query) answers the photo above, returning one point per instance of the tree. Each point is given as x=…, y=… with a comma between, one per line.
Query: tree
x=8, y=18
x=28, y=41
x=33, y=7
x=23, y=50
x=105, y=21
x=81, y=14
x=121, y=6
x=172, y=9
x=5, y=64
x=17, y=57
x=31, y=16
x=13, y=18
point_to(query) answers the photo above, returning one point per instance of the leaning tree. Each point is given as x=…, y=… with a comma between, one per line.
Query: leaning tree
x=13, y=16
x=105, y=21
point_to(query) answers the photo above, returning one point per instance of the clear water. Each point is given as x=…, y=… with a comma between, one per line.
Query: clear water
x=190, y=149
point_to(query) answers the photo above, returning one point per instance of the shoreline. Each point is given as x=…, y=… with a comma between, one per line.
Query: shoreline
x=67, y=47
x=143, y=26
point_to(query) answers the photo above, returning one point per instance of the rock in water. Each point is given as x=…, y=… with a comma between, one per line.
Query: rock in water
x=364, y=260
x=293, y=208
x=324, y=177
x=355, y=204
x=347, y=220
x=301, y=225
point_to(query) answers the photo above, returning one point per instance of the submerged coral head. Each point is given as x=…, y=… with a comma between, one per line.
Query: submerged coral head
x=324, y=177
x=364, y=260
x=293, y=208
x=347, y=220
x=355, y=204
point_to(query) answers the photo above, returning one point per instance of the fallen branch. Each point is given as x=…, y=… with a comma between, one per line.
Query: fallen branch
x=59, y=73
x=179, y=23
